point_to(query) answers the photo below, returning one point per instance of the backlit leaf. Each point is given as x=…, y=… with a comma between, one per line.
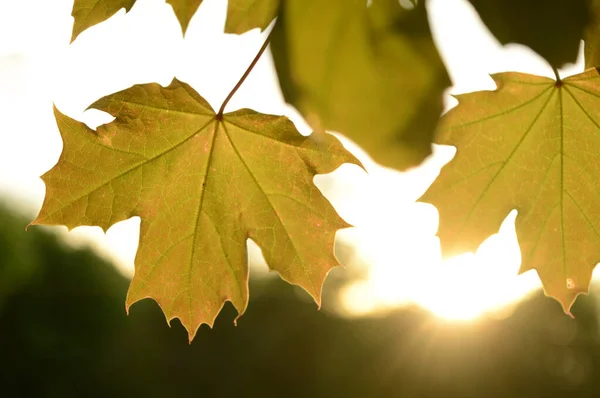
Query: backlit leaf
x=371, y=73
x=201, y=185
x=531, y=145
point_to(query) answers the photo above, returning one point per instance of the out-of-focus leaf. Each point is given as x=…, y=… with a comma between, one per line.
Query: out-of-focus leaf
x=552, y=28
x=184, y=10
x=244, y=15
x=371, y=73
x=202, y=186
x=88, y=13
x=533, y=145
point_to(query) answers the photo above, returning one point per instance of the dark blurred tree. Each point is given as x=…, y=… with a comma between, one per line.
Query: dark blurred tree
x=64, y=333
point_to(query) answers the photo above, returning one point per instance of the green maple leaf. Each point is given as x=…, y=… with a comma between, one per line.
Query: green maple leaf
x=552, y=28
x=244, y=15
x=202, y=185
x=533, y=145
x=370, y=73
x=88, y=13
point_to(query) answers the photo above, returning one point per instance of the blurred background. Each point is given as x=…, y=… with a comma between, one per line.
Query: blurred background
x=398, y=320
x=64, y=333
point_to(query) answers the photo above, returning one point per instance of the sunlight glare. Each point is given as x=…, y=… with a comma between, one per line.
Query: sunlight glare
x=395, y=235
x=405, y=260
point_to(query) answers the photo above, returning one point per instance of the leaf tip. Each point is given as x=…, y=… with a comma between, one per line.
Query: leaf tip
x=354, y=160
x=567, y=303
x=37, y=221
x=184, y=26
x=59, y=117
x=565, y=292
x=318, y=301
x=498, y=79
x=30, y=224
x=56, y=110
x=191, y=335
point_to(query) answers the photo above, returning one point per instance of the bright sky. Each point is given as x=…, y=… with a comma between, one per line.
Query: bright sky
x=393, y=233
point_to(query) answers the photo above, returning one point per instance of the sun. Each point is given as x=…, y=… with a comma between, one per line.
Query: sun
x=458, y=289
x=395, y=238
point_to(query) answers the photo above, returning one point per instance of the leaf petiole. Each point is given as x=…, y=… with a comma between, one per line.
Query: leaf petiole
x=245, y=75
x=558, y=80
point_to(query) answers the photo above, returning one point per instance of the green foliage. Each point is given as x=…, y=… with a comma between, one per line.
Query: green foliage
x=203, y=182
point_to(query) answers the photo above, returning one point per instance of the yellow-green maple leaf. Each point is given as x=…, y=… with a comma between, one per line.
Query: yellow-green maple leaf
x=201, y=185
x=88, y=13
x=533, y=145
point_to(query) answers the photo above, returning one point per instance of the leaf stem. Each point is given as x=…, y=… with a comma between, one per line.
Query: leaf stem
x=245, y=75
x=558, y=80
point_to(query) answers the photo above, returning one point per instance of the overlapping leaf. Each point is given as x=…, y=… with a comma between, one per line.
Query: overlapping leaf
x=244, y=15
x=88, y=13
x=552, y=28
x=531, y=145
x=202, y=185
x=371, y=73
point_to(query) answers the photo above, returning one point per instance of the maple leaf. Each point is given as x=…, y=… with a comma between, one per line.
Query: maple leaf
x=533, y=145
x=201, y=184
x=244, y=15
x=88, y=13
x=552, y=28
x=370, y=73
